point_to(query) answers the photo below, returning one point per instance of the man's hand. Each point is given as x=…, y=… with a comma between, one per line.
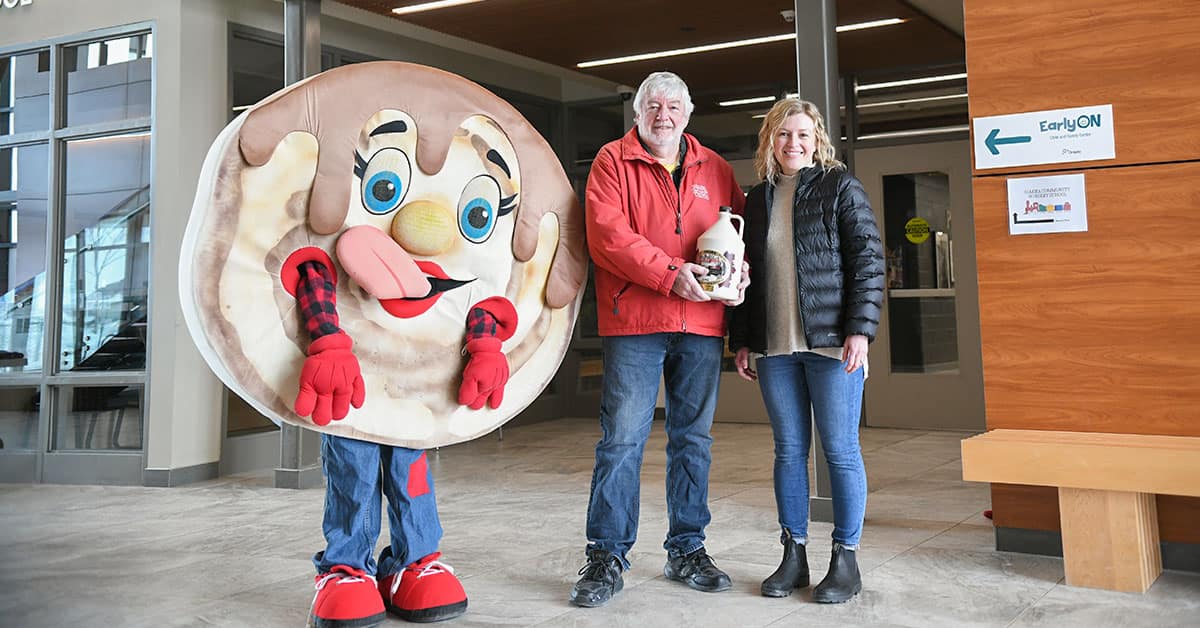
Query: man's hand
x=742, y=284
x=686, y=285
x=742, y=362
x=330, y=381
x=485, y=375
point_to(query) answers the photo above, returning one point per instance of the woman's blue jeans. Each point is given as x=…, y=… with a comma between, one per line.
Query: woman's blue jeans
x=796, y=389
x=357, y=475
x=690, y=365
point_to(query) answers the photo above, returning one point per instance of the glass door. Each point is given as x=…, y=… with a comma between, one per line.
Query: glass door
x=926, y=369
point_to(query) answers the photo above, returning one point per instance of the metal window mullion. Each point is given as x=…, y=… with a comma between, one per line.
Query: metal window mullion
x=51, y=325
x=100, y=129
x=18, y=140
x=20, y=380
x=101, y=378
x=55, y=226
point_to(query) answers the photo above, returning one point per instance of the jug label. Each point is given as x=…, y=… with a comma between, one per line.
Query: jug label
x=719, y=267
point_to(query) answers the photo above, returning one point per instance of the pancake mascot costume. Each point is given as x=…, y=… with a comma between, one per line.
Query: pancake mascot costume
x=390, y=255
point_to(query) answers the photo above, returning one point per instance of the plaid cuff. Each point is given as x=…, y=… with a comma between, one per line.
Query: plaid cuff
x=480, y=324
x=317, y=298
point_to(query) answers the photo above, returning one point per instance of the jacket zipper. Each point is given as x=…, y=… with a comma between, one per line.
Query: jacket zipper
x=679, y=232
x=616, y=310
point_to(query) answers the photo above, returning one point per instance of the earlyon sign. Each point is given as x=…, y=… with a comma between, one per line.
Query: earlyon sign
x=1045, y=137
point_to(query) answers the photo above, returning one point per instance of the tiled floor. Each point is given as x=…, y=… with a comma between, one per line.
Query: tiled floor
x=235, y=552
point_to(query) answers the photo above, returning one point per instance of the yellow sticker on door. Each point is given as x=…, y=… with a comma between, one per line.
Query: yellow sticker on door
x=916, y=230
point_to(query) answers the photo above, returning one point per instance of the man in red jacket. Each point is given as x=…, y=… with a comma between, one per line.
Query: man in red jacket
x=650, y=195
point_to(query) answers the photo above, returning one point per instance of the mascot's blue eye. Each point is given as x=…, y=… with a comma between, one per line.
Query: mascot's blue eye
x=383, y=192
x=477, y=219
x=385, y=179
x=477, y=208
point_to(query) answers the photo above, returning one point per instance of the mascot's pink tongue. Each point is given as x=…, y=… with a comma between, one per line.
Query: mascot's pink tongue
x=379, y=265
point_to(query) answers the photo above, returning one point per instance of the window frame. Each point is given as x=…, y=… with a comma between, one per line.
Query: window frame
x=51, y=380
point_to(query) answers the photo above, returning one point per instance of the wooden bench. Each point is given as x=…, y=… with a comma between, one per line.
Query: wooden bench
x=1106, y=487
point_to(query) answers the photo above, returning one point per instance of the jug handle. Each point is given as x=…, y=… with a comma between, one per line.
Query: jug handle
x=740, y=223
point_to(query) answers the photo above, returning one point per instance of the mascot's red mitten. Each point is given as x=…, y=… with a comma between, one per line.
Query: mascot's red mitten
x=330, y=381
x=489, y=324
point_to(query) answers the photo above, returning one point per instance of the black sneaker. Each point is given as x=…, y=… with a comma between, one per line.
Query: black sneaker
x=698, y=571
x=601, y=580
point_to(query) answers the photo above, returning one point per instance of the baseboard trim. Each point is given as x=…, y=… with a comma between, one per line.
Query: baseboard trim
x=1175, y=556
x=308, y=477
x=166, y=478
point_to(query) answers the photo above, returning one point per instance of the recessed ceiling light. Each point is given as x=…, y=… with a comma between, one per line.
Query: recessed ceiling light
x=753, y=41
x=429, y=6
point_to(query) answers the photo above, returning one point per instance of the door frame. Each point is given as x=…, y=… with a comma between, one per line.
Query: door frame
x=949, y=400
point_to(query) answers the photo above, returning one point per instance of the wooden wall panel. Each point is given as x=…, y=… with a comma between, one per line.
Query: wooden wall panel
x=1177, y=519
x=1028, y=507
x=1143, y=57
x=1036, y=508
x=1096, y=331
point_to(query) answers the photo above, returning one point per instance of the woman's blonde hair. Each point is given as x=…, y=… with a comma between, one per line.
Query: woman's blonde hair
x=765, y=164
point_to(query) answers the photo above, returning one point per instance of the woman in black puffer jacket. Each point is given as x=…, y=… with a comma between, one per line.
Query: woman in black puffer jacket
x=808, y=317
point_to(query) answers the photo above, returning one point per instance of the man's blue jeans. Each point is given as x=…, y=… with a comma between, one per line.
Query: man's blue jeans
x=796, y=388
x=691, y=367
x=357, y=475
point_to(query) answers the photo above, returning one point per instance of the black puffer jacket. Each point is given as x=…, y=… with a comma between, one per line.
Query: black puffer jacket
x=839, y=262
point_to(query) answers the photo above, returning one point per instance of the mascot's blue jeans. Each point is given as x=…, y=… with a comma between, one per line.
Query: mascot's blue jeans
x=357, y=474
x=796, y=389
x=690, y=365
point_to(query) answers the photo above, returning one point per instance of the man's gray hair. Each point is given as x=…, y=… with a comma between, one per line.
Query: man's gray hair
x=666, y=84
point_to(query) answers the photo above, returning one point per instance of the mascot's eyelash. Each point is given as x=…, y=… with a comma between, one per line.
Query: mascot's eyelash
x=360, y=165
x=508, y=204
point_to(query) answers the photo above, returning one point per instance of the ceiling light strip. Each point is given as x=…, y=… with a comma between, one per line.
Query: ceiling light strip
x=911, y=101
x=746, y=101
x=687, y=51
x=754, y=41
x=429, y=6
x=872, y=24
x=914, y=133
x=916, y=81
x=887, y=103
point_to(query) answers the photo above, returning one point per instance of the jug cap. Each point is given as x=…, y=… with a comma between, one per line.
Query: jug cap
x=727, y=208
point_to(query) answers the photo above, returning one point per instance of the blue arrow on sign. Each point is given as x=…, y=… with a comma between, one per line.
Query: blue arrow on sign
x=993, y=140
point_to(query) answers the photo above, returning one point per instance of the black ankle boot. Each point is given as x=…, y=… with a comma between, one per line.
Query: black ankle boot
x=843, y=581
x=792, y=572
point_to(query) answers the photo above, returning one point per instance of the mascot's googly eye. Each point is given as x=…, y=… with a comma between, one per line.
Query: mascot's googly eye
x=478, y=208
x=385, y=180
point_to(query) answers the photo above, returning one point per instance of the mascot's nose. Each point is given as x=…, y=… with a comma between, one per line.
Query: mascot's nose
x=424, y=228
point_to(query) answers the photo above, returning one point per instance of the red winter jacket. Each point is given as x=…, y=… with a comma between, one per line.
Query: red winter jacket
x=633, y=210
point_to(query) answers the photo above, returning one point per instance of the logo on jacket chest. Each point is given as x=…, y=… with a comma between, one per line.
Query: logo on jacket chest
x=699, y=191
